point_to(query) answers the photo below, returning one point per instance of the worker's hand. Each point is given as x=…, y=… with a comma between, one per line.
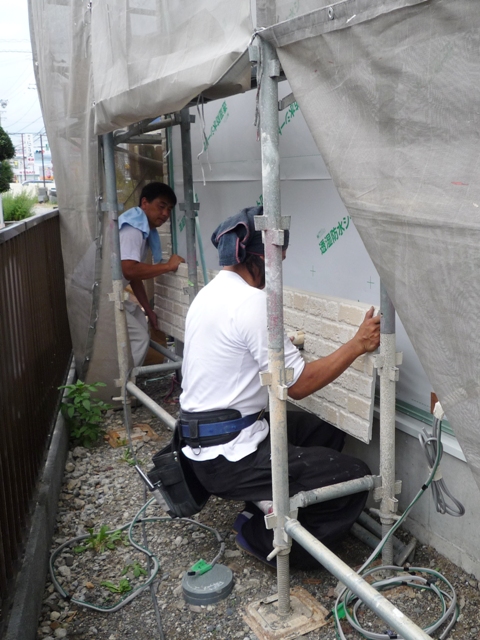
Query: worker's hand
x=368, y=334
x=174, y=261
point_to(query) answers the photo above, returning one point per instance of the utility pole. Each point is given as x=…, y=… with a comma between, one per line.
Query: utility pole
x=23, y=160
x=43, y=164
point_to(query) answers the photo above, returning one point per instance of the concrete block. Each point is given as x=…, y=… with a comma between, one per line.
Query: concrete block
x=300, y=301
x=359, y=364
x=182, y=270
x=351, y=314
x=364, y=364
x=318, y=347
x=335, y=395
x=293, y=318
x=166, y=327
x=323, y=307
x=167, y=316
x=169, y=280
x=336, y=332
x=369, y=365
x=353, y=381
x=180, y=310
x=312, y=324
x=164, y=303
x=160, y=289
x=288, y=298
x=354, y=426
x=359, y=406
x=325, y=410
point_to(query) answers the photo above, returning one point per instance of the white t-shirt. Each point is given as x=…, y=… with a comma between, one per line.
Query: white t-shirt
x=133, y=246
x=226, y=346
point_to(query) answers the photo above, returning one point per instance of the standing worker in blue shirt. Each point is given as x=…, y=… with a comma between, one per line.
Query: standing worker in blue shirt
x=138, y=232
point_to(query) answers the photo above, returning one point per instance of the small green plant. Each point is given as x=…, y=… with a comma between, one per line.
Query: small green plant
x=82, y=413
x=122, y=587
x=136, y=568
x=102, y=540
x=17, y=207
x=127, y=457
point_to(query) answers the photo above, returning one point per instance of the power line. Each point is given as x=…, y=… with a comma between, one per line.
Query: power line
x=24, y=114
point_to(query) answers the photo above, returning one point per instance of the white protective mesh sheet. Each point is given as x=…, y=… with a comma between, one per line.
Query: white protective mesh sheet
x=101, y=65
x=393, y=105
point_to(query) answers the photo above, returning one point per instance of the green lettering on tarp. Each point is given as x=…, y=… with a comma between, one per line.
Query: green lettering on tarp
x=290, y=113
x=222, y=112
x=329, y=239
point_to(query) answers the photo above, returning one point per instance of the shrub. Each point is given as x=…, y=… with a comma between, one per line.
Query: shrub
x=6, y=176
x=17, y=207
x=83, y=414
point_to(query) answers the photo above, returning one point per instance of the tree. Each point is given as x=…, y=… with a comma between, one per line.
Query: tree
x=6, y=176
x=7, y=150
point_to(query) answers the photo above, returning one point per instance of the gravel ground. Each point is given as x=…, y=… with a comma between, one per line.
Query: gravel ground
x=101, y=488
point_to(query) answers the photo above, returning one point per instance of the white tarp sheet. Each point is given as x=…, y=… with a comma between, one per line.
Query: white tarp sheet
x=393, y=105
x=106, y=64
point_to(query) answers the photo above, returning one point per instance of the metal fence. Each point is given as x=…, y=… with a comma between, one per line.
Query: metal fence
x=35, y=352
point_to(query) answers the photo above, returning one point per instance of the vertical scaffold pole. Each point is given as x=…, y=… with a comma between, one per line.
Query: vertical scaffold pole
x=273, y=225
x=123, y=345
x=388, y=378
x=190, y=206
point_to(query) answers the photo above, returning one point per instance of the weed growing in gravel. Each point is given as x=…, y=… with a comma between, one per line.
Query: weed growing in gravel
x=102, y=540
x=136, y=568
x=122, y=587
x=82, y=413
x=127, y=457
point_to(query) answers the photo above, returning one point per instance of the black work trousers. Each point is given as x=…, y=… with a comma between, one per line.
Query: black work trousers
x=314, y=460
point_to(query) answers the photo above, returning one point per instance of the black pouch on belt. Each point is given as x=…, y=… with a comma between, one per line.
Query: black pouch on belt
x=173, y=476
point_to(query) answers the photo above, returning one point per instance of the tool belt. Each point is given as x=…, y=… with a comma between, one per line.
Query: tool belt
x=178, y=484
x=209, y=428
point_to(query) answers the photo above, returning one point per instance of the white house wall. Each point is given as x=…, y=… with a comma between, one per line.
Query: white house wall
x=227, y=178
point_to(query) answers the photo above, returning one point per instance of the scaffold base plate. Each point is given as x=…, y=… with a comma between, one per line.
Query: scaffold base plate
x=306, y=614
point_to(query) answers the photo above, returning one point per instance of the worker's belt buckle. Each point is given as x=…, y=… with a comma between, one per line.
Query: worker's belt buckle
x=193, y=431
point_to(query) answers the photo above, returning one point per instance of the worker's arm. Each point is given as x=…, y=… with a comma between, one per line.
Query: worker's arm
x=141, y=295
x=133, y=270
x=319, y=373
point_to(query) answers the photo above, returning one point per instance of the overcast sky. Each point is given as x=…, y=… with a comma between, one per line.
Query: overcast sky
x=17, y=80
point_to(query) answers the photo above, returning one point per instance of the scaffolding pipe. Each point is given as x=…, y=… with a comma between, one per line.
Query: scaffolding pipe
x=362, y=589
x=388, y=377
x=365, y=536
x=189, y=207
x=165, y=367
x=123, y=344
x=151, y=405
x=164, y=351
x=276, y=378
x=375, y=527
x=144, y=127
x=305, y=498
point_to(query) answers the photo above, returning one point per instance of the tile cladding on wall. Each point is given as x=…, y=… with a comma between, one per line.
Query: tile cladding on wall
x=327, y=322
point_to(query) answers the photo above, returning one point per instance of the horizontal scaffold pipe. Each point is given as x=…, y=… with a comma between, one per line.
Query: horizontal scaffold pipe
x=151, y=405
x=166, y=352
x=124, y=136
x=304, y=498
x=157, y=368
x=370, y=596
